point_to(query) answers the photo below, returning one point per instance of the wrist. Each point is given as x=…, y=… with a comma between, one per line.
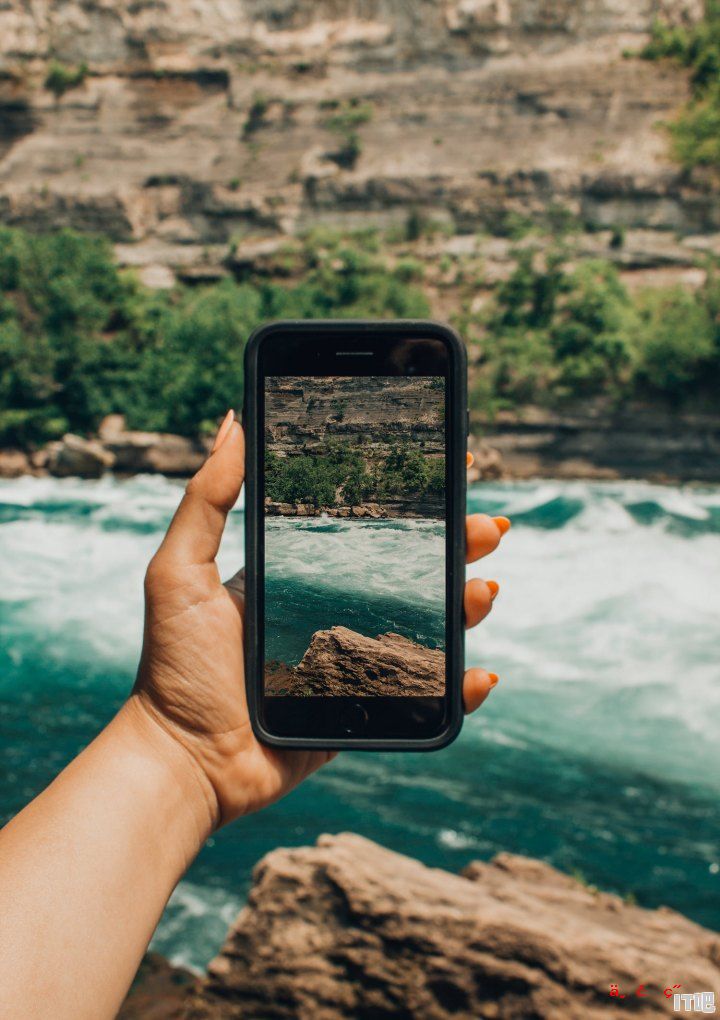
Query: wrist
x=188, y=795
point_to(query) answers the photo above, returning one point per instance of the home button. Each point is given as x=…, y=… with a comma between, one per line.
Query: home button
x=353, y=720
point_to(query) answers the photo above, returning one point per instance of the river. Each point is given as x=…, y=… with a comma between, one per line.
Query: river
x=598, y=751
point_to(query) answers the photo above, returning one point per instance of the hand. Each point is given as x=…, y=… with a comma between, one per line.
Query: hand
x=191, y=680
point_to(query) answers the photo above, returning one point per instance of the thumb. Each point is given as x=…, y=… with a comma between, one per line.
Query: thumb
x=196, y=529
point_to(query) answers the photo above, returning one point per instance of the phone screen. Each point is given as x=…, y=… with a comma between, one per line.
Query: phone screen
x=354, y=549
x=354, y=536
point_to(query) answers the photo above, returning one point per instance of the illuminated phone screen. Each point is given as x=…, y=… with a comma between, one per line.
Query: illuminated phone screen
x=354, y=536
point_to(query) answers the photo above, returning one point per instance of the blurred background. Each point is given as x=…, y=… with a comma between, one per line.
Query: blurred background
x=543, y=175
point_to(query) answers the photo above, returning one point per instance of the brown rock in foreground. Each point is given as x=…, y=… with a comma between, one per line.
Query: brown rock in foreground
x=340, y=661
x=348, y=929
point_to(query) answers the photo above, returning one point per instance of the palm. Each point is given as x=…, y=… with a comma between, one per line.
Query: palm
x=192, y=674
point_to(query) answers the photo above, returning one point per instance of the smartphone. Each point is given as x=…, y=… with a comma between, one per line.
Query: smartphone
x=355, y=534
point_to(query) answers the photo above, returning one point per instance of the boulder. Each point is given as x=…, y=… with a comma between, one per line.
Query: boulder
x=13, y=463
x=349, y=929
x=75, y=456
x=341, y=661
x=158, y=452
x=111, y=426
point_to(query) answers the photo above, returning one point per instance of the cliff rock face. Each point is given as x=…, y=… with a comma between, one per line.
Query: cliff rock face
x=340, y=661
x=302, y=415
x=347, y=929
x=194, y=124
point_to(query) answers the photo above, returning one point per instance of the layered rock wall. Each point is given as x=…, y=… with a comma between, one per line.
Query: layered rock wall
x=198, y=126
x=302, y=414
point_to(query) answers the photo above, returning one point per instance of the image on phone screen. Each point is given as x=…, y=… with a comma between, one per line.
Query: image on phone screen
x=354, y=536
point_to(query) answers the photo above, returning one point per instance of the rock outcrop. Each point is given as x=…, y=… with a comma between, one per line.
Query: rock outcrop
x=347, y=929
x=73, y=455
x=595, y=442
x=117, y=449
x=156, y=452
x=339, y=661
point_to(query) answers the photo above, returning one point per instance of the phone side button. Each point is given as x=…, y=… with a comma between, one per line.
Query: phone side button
x=353, y=720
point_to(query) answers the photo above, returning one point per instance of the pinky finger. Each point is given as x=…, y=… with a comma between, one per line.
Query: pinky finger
x=477, y=684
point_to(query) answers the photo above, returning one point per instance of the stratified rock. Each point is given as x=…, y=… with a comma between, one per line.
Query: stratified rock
x=596, y=442
x=156, y=452
x=341, y=661
x=13, y=463
x=348, y=929
x=73, y=455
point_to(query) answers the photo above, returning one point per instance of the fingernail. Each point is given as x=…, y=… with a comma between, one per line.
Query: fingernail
x=223, y=430
x=493, y=679
x=494, y=588
x=503, y=524
x=469, y=459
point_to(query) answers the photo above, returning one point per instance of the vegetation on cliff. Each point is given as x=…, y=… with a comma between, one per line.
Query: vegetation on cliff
x=696, y=130
x=342, y=476
x=556, y=332
x=79, y=338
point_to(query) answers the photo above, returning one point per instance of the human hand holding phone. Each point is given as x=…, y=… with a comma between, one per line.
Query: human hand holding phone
x=191, y=680
x=87, y=867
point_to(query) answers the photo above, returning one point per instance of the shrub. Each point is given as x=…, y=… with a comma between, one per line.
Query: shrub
x=60, y=78
x=677, y=341
x=696, y=130
x=80, y=339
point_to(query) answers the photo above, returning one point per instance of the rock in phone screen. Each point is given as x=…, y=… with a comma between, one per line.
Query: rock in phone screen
x=354, y=498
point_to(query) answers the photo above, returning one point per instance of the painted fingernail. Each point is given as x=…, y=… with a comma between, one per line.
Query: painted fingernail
x=469, y=459
x=223, y=430
x=494, y=588
x=503, y=524
x=493, y=679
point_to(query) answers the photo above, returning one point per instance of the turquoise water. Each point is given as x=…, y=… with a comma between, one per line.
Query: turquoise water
x=598, y=751
x=371, y=576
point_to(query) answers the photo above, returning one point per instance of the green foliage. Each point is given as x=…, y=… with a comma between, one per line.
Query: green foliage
x=344, y=120
x=341, y=477
x=347, y=116
x=678, y=340
x=696, y=130
x=302, y=479
x=555, y=333
x=80, y=339
x=60, y=78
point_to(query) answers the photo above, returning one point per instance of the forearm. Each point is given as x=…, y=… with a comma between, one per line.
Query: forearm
x=87, y=868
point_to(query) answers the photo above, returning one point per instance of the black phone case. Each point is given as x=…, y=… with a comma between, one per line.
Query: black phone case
x=455, y=568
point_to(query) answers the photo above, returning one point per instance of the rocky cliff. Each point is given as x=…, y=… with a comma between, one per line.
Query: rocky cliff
x=188, y=132
x=302, y=415
x=342, y=662
x=378, y=441
x=347, y=929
